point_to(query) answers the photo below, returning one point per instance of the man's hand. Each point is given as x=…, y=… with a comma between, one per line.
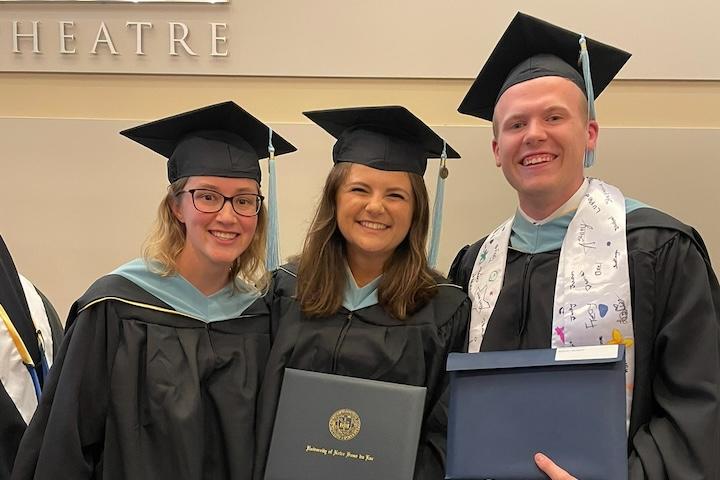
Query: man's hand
x=550, y=469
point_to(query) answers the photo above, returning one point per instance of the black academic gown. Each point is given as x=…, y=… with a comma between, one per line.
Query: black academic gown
x=140, y=391
x=369, y=343
x=675, y=419
x=12, y=298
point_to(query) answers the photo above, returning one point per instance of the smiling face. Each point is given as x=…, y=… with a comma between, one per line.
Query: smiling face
x=541, y=133
x=374, y=210
x=213, y=241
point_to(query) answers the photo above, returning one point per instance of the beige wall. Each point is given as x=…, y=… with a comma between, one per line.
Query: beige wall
x=77, y=198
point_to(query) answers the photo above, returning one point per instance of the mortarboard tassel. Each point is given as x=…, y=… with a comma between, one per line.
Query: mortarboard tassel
x=273, y=251
x=585, y=62
x=438, y=208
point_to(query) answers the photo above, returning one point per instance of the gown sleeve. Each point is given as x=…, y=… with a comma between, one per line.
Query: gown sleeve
x=457, y=273
x=12, y=426
x=681, y=437
x=430, y=462
x=279, y=301
x=65, y=436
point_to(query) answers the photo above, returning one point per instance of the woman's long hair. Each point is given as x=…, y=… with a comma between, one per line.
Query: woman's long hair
x=167, y=239
x=407, y=282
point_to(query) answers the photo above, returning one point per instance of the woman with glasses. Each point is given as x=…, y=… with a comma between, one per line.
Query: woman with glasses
x=361, y=300
x=162, y=362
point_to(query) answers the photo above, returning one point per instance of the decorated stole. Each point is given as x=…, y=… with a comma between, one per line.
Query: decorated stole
x=592, y=291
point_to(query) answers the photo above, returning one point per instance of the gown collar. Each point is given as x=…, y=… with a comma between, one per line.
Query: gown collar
x=181, y=295
x=539, y=236
x=356, y=297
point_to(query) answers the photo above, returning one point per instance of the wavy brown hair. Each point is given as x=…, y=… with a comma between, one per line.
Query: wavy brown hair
x=407, y=282
x=167, y=239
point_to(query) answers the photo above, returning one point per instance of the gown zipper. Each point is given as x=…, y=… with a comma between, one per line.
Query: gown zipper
x=340, y=340
x=525, y=296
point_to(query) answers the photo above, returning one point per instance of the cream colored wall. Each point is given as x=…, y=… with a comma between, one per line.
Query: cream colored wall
x=77, y=198
x=625, y=103
x=355, y=38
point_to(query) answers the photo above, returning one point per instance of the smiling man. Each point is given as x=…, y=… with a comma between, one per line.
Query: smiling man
x=580, y=264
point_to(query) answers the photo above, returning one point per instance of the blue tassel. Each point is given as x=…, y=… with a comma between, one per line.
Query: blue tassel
x=438, y=209
x=35, y=380
x=590, y=92
x=273, y=249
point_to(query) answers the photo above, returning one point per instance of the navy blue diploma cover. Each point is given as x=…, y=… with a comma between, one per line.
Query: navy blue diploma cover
x=567, y=403
x=335, y=427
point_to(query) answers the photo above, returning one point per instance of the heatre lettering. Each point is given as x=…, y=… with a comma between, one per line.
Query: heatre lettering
x=33, y=37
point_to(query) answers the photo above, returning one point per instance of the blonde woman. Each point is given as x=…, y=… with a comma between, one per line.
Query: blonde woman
x=361, y=300
x=158, y=375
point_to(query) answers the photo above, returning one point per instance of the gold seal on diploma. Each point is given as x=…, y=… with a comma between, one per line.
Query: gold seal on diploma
x=344, y=424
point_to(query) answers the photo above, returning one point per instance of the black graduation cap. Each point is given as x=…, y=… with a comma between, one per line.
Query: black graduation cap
x=220, y=140
x=385, y=137
x=532, y=48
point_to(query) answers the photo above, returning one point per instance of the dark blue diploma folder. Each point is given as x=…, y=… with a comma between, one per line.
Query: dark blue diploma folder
x=506, y=406
x=337, y=427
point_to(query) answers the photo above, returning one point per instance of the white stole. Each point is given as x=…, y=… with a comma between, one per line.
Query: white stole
x=592, y=291
x=14, y=375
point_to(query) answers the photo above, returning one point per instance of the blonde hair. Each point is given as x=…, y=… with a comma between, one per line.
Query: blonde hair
x=167, y=239
x=407, y=282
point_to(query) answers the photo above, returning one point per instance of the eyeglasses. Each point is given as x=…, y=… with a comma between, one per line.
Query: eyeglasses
x=210, y=201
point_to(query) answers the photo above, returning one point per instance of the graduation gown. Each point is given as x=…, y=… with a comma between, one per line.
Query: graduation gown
x=675, y=420
x=17, y=297
x=369, y=343
x=141, y=390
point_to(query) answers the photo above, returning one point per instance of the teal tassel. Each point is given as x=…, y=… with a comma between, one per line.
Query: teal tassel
x=273, y=248
x=438, y=209
x=590, y=92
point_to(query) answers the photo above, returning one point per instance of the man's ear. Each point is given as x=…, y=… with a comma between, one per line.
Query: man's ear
x=496, y=152
x=593, y=131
